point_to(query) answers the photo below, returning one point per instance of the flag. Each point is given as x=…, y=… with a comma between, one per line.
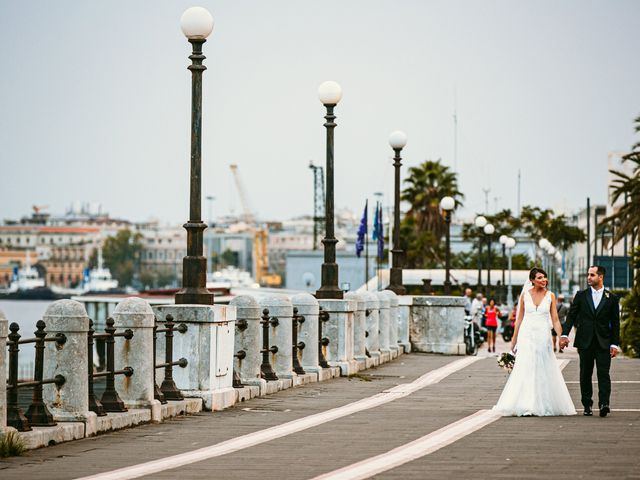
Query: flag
x=362, y=230
x=378, y=233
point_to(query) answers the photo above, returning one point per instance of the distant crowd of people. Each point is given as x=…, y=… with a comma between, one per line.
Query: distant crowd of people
x=487, y=314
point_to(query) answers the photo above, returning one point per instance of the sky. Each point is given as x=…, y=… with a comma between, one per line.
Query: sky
x=95, y=101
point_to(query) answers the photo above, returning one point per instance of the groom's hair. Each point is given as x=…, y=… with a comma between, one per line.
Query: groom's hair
x=600, y=270
x=534, y=271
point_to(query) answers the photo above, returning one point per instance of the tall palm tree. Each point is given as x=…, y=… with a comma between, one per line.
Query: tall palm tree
x=424, y=226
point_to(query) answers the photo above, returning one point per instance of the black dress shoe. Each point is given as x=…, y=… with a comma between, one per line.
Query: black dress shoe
x=588, y=412
x=604, y=410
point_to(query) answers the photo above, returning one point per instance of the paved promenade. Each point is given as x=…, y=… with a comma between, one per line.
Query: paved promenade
x=418, y=417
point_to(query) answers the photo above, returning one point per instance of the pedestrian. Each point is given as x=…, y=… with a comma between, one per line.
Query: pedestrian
x=468, y=295
x=477, y=308
x=491, y=324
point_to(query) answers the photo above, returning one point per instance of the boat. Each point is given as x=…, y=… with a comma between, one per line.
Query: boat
x=99, y=279
x=27, y=284
x=231, y=277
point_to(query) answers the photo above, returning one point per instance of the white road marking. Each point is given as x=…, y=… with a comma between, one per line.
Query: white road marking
x=563, y=363
x=277, y=431
x=414, y=450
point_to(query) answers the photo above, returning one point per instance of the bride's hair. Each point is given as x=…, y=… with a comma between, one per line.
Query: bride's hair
x=534, y=271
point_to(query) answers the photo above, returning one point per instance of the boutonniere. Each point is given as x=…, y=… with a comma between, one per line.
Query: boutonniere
x=606, y=294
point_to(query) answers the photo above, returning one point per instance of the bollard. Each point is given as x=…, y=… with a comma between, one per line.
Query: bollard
x=248, y=340
x=339, y=330
x=393, y=323
x=136, y=315
x=373, y=325
x=383, y=327
x=280, y=334
x=70, y=402
x=4, y=330
x=308, y=309
x=359, y=328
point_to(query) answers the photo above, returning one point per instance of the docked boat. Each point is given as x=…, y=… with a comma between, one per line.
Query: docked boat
x=99, y=279
x=27, y=284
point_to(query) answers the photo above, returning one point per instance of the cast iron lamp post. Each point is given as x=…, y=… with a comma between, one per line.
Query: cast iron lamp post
x=397, y=140
x=196, y=24
x=489, y=229
x=329, y=94
x=510, y=243
x=503, y=241
x=480, y=222
x=447, y=204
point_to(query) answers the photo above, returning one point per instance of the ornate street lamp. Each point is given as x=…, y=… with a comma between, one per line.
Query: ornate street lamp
x=480, y=222
x=397, y=140
x=329, y=94
x=447, y=204
x=510, y=243
x=196, y=24
x=489, y=229
x=503, y=241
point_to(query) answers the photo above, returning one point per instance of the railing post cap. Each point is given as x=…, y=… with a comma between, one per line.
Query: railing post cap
x=133, y=305
x=244, y=301
x=304, y=299
x=383, y=299
x=372, y=300
x=392, y=297
x=275, y=301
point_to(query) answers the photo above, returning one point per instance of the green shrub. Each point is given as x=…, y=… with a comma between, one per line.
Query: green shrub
x=11, y=445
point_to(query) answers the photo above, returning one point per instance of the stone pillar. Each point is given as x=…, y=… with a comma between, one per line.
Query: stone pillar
x=404, y=320
x=280, y=335
x=393, y=323
x=4, y=331
x=70, y=402
x=339, y=330
x=359, y=328
x=208, y=347
x=383, y=327
x=136, y=391
x=373, y=327
x=308, y=307
x=437, y=325
x=248, y=338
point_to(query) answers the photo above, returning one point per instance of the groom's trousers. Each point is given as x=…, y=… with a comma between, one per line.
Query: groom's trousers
x=602, y=359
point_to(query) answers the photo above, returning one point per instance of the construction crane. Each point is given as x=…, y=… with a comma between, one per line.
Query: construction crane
x=260, y=242
x=318, y=202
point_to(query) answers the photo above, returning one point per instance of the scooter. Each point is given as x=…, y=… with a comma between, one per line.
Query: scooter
x=507, y=329
x=470, y=341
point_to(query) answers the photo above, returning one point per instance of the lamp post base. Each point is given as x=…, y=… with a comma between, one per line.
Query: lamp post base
x=329, y=287
x=395, y=281
x=447, y=287
x=194, y=279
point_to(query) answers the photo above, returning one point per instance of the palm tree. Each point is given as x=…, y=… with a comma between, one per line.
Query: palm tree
x=423, y=224
x=627, y=187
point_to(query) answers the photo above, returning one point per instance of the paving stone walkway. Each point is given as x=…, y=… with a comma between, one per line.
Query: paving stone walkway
x=558, y=447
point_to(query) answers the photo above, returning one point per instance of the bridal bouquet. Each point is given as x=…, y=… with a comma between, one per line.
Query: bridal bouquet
x=506, y=361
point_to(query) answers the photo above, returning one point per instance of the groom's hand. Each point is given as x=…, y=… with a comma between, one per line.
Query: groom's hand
x=564, y=342
x=613, y=351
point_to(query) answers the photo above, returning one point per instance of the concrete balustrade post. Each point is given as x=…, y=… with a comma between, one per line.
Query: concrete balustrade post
x=437, y=325
x=359, y=329
x=373, y=327
x=280, y=336
x=339, y=329
x=308, y=307
x=136, y=391
x=208, y=347
x=4, y=331
x=248, y=339
x=70, y=402
x=404, y=320
x=383, y=327
x=393, y=323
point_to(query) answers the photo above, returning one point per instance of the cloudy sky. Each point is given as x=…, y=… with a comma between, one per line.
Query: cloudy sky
x=95, y=100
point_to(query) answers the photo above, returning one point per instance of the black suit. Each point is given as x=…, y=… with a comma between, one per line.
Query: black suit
x=596, y=330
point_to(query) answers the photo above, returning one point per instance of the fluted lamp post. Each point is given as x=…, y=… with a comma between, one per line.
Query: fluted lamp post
x=329, y=94
x=196, y=24
x=510, y=243
x=447, y=204
x=480, y=222
x=503, y=242
x=489, y=229
x=397, y=140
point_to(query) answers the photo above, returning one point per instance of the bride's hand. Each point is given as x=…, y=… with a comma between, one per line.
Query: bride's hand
x=513, y=346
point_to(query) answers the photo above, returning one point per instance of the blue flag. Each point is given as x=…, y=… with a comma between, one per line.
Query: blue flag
x=362, y=230
x=378, y=233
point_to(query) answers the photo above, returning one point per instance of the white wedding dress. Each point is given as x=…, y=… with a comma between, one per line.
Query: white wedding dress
x=535, y=385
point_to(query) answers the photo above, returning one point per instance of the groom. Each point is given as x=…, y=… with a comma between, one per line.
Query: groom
x=596, y=316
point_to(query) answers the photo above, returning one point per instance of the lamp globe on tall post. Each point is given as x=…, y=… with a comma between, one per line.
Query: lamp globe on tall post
x=397, y=140
x=329, y=94
x=480, y=222
x=196, y=24
x=489, y=230
x=447, y=204
x=503, y=242
x=510, y=243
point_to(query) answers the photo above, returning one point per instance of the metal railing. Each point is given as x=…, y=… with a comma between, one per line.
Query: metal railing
x=168, y=389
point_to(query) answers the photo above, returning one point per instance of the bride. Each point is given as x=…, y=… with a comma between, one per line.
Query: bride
x=535, y=386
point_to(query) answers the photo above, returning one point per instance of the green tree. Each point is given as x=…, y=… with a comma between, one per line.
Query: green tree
x=626, y=187
x=122, y=254
x=423, y=226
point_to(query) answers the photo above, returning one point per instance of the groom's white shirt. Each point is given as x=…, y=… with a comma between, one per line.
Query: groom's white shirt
x=596, y=295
